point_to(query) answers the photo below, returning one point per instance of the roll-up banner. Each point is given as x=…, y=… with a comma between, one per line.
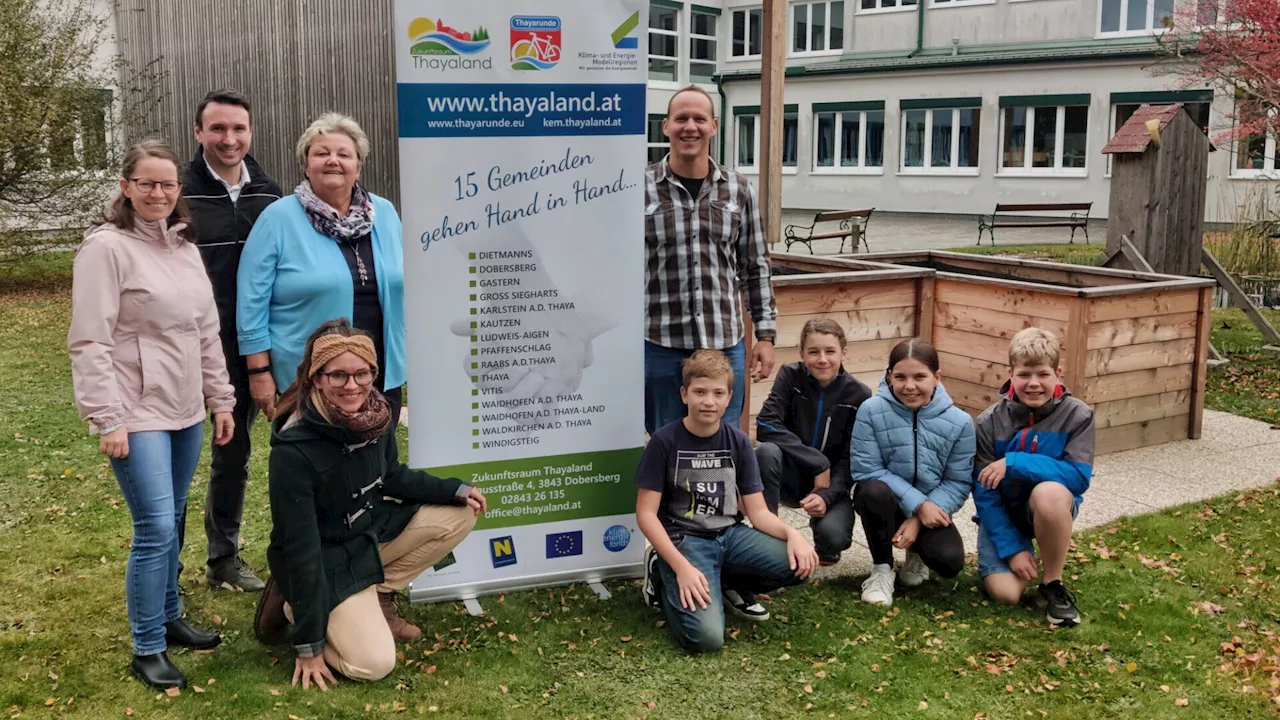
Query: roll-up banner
x=522, y=155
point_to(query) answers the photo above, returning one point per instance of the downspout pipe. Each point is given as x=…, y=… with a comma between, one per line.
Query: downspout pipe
x=919, y=29
x=724, y=128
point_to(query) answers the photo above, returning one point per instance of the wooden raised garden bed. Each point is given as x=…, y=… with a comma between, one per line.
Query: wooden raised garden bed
x=1134, y=344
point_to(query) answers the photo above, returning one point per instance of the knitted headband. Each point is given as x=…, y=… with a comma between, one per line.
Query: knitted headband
x=328, y=347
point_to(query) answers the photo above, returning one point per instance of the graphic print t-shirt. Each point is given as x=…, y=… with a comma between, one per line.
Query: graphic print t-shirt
x=702, y=480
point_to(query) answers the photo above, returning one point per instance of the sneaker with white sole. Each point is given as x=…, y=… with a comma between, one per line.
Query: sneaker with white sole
x=877, y=589
x=744, y=606
x=651, y=587
x=1061, y=605
x=914, y=572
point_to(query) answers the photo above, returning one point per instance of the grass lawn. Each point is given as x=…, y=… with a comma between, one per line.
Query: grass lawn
x=1180, y=612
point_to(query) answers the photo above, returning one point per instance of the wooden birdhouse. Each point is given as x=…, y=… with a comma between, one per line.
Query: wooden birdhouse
x=1159, y=179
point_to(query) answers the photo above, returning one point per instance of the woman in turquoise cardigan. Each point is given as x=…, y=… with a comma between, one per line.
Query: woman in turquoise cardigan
x=329, y=250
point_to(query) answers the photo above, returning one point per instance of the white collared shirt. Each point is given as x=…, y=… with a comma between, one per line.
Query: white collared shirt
x=232, y=190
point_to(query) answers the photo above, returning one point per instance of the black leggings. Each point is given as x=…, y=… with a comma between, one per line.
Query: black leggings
x=942, y=549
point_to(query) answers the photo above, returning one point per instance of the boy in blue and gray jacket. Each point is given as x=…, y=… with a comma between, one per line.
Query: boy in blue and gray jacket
x=1034, y=463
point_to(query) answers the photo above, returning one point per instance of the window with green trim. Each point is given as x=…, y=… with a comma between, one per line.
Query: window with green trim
x=848, y=140
x=747, y=140
x=664, y=43
x=941, y=139
x=874, y=5
x=702, y=46
x=748, y=42
x=1044, y=138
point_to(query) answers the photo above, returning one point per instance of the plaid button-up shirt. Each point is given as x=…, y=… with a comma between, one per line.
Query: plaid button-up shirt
x=700, y=253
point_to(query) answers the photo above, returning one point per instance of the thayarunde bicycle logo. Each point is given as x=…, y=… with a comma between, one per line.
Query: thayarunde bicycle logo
x=436, y=46
x=535, y=42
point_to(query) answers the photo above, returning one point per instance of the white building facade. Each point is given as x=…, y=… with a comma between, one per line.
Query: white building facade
x=944, y=106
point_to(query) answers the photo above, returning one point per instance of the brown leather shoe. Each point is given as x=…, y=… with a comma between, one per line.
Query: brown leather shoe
x=269, y=623
x=402, y=630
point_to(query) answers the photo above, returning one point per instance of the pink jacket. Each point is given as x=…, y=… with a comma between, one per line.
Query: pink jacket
x=144, y=343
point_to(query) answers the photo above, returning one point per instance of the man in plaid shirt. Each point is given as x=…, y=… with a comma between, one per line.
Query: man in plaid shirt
x=705, y=246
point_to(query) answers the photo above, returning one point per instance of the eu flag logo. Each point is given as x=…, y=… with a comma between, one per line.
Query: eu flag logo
x=503, y=551
x=564, y=544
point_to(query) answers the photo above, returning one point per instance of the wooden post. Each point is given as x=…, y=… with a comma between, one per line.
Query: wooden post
x=1200, y=370
x=773, y=65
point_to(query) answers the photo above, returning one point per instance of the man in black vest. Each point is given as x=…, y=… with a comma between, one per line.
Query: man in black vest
x=226, y=190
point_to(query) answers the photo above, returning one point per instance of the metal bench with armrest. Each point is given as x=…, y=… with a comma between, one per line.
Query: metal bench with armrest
x=1079, y=218
x=853, y=226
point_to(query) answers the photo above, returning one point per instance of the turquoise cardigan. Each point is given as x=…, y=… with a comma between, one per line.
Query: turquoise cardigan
x=292, y=279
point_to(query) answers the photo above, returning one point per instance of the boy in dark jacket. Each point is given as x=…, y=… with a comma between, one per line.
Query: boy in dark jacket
x=804, y=429
x=1034, y=464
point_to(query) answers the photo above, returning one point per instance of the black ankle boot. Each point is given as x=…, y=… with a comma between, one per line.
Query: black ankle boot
x=157, y=671
x=179, y=632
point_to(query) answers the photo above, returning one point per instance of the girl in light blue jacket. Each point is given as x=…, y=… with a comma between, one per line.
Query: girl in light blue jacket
x=911, y=458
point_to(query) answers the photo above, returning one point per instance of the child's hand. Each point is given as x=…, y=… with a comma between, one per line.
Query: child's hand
x=822, y=479
x=1024, y=565
x=932, y=515
x=802, y=555
x=907, y=533
x=992, y=474
x=814, y=505
x=693, y=588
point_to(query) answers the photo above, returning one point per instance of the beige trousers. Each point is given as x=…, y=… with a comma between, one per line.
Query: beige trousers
x=358, y=642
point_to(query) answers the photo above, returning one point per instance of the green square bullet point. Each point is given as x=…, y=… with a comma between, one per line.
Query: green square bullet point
x=472, y=271
x=474, y=338
x=471, y=256
x=473, y=311
x=475, y=351
x=473, y=298
x=475, y=446
x=475, y=366
x=475, y=432
x=475, y=392
x=475, y=406
x=473, y=283
x=475, y=418
x=473, y=325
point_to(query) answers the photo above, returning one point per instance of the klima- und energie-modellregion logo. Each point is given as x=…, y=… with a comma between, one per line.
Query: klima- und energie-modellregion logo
x=437, y=46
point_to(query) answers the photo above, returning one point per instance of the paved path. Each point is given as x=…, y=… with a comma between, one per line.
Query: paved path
x=904, y=231
x=1235, y=453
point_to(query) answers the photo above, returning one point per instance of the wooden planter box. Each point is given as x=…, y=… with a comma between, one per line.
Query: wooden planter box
x=1134, y=344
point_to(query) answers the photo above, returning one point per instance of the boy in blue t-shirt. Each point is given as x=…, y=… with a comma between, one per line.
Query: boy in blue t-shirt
x=696, y=478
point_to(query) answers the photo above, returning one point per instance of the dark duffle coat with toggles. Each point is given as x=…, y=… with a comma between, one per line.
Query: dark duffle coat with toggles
x=334, y=498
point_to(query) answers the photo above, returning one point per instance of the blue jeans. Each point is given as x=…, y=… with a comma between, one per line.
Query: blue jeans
x=743, y=559
x=154, y=480
x=662, y=382
x=989, y=560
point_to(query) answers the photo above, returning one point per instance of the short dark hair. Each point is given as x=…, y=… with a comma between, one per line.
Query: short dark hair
x=225, y=96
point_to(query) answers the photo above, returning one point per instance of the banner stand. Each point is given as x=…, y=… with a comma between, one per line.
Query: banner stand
x=522, y=151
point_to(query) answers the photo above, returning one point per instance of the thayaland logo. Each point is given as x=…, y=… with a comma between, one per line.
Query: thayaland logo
x=433, y=37
x=622, y=37
x=535, y=42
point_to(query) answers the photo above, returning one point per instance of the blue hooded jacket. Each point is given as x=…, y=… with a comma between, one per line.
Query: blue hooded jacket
x=924, y=454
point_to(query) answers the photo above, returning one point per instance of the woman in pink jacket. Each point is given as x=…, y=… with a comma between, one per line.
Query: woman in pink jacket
x=146, y=362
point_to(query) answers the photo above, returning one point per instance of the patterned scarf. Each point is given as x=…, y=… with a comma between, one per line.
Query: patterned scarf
x=368, y=423
x=325, y=218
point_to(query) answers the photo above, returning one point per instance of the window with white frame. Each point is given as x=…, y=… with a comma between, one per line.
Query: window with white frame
x=848, y=137
x=747, y=122
x=655, y=140
x=664, y=43
x=817, y=27
x=702, y=45
x=1134, y=17
x=1044, y=138
x=874, y=5
x=1256, y=155
x=941, y=139
x=747, y=39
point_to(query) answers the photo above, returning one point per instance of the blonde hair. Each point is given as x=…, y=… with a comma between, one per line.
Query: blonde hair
x=327, y=124
x=710, y=364
x=1034, y=346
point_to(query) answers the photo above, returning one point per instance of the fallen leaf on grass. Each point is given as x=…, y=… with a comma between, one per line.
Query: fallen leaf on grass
x=808, y=688
x=625, y=638
x=197, y=689
x=172, y=692
x=1164, y=688
x=1207, y=607
x=504, y=689
x=924, y=705
x=1132, y=667
x=650, y=704
x=128, y=712
x=1182, y=702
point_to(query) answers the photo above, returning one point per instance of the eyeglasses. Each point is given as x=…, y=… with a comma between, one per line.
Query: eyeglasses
x=168, y=186
x=339, y=378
